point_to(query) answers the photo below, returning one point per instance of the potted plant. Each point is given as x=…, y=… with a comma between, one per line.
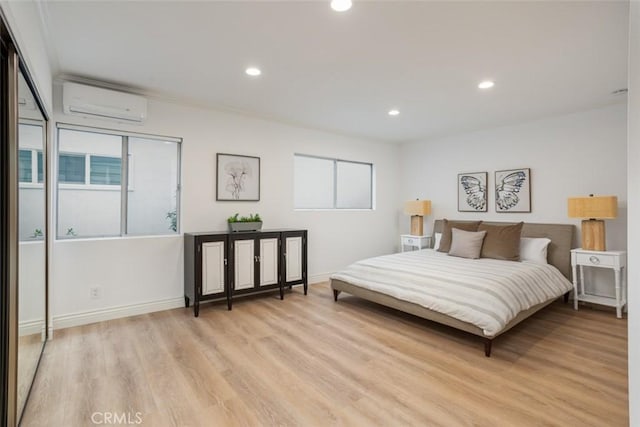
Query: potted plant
x=244, y=223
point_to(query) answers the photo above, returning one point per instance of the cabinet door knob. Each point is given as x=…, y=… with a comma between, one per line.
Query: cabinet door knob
x=594, y=259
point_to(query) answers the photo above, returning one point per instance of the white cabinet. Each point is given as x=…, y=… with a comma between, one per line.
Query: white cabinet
x=213, y=267
x=418, y=242
x=205, y=268
x=244, y=264
x=293, y=258
x=268, y=261
x=614, y=260
x=247, y=261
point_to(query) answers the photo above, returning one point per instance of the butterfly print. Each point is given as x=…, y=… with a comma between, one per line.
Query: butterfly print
x=508, y=188
x=476, y=192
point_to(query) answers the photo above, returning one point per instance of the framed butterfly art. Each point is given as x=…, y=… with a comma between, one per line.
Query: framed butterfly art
x=513, y=190
x=472, y=192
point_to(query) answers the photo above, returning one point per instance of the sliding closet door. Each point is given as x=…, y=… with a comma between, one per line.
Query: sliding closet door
x=32, y=232
x=8, y=228
x=23, y=232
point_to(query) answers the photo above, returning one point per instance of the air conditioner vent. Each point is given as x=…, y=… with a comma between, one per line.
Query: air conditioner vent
x=94, y=102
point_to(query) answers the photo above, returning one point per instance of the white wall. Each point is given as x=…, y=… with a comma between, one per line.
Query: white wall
x=634, y=212
x=569, y=155
x=24, y=20
x=139, y=270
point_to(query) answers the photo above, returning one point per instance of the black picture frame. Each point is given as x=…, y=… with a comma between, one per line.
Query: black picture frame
x=472, y=192
x=513, y=190
x=237, y=178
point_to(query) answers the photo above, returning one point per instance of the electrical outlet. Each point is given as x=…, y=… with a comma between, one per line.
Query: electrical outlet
x=95, y=292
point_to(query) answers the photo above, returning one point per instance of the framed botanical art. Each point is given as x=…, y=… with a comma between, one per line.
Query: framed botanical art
x=513, y=190
x=472, y=192
x=238, y=178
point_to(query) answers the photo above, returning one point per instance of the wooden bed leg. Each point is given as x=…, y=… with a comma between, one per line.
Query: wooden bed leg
x=566, y=298
x=335, y=294
x=487, y=346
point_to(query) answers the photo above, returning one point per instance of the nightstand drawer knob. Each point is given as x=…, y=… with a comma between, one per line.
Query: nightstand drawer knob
x=594, y=259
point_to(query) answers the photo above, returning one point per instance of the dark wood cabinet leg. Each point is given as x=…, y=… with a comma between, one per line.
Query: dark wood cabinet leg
x=565, y=299
x=335, y=294
x=487, y=347
x=186, y=301
x=196, y=308
x=281, y=292
x=229, y=303
x=305, y=287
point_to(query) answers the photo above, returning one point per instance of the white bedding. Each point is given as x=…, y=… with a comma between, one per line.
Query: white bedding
x=485, y=292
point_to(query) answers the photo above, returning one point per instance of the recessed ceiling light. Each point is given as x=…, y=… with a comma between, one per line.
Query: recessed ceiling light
x=253, y=71
x=487, y=84
x=341, y=5
x=394, y=112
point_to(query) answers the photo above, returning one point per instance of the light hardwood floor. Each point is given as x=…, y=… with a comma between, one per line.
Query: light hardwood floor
x=312, y=362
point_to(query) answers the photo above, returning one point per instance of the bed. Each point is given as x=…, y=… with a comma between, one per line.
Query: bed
x=491, y=296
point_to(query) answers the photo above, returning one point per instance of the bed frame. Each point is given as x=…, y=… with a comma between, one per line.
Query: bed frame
x=561, y=236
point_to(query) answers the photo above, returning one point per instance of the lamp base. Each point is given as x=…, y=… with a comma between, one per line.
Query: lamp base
x=593, y=235
x=416, y=225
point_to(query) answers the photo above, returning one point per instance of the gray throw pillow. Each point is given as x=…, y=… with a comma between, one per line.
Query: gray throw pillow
x=466, y=244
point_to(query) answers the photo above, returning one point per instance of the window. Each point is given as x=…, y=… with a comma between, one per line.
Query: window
x=96, y=198
x=105, y=170
x=324, y=183
x=24, y=166
x=71, y=168
x=40, y=166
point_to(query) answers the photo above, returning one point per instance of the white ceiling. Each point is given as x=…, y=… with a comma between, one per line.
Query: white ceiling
x=343, y=72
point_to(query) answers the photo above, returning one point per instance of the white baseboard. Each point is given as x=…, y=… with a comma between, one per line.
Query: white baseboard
x=30, y=327
x=93, y=316
x=319, y=278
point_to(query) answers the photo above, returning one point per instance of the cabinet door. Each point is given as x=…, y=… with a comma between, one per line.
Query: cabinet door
x=213, y=262
x=293, y=258
x=268, y=261
x=243, y=264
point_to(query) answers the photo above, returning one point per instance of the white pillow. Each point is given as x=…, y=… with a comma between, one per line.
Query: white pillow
x=466, y=244
x=534, y=249
x=438, y=237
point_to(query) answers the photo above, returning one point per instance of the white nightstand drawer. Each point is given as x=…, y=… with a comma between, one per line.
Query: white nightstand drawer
x=417, y=242
x=596, y=260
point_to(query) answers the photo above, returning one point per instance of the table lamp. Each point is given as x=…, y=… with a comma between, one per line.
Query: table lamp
x=417, y=209
x=593, y=210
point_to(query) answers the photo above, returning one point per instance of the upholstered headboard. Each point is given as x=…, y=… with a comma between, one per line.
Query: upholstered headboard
x=561, y=236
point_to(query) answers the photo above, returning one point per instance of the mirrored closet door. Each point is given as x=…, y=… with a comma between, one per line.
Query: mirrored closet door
x=24, y=201
x=32, y=231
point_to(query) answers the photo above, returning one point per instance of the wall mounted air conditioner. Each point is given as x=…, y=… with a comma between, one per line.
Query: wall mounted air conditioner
x=94, y=102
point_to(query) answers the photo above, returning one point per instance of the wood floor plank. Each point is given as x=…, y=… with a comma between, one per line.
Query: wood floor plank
x=311, y=361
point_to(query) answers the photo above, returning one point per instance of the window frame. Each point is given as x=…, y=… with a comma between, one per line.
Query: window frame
x=126, y=177
x=335, y=183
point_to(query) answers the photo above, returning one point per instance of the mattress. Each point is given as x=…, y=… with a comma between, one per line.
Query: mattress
x=486, y=293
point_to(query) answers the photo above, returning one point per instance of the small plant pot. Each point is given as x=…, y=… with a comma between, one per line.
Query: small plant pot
x=244, y=226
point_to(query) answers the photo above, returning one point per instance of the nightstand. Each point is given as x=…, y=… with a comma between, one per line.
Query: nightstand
x=614, y=260
x=418, y=242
